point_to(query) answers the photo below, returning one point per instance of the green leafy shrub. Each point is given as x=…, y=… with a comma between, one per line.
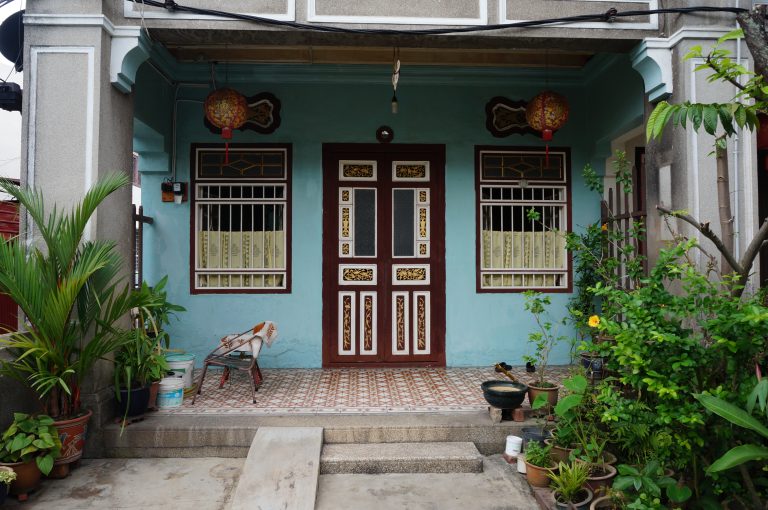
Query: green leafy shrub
x=31, y=437
x=538, y=455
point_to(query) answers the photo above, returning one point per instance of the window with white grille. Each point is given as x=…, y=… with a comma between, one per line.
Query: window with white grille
x=523, y=215
x=241, y=220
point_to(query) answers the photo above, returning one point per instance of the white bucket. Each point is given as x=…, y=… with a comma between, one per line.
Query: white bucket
x=521, y=463
x=171, y=393
x=181, y=366
x=514, y=446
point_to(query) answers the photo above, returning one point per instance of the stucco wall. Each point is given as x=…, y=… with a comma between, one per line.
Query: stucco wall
x=436, y=106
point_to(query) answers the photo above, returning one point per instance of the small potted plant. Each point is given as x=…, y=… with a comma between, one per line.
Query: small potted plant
x=137, y=365
x=538, y=464
x=7, y=475
x=543, y=341
x=29, y=446
x=568, y=484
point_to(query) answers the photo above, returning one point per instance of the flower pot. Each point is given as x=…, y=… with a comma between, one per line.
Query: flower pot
x=153, y=389
x=600, y=478
x=3, y=493
x=504, y=394
x=603, y=503
x=559, y=453
x=133, y=402
x=551, y=393
x=72, y=434
x=537, y=476
x=581, y=502
x=535, y=434
x=27, y=478
x=594, y=365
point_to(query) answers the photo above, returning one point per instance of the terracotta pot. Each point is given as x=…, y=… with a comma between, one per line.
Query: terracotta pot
x=599, y=483
x=27, y=478
x=581, y=503
x=602, y=503
x=551, y=393
x=559, y=453
x=537, y=476
x=72, y=435
x=153, y=389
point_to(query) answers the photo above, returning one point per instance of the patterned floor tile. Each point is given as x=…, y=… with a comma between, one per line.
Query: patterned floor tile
x=351, y=391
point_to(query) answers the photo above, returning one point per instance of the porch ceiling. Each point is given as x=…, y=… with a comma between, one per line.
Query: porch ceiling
x=380, y=55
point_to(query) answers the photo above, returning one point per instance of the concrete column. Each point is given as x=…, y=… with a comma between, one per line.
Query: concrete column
x=77, y=128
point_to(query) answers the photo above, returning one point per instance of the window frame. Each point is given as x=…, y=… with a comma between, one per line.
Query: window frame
x=196, y=148
x=480, y=182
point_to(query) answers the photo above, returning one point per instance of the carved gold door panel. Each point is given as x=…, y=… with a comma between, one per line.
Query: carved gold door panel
x=383, y=255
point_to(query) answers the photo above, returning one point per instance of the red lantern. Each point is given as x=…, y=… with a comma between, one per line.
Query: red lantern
x=547, y=112
x=226, y=109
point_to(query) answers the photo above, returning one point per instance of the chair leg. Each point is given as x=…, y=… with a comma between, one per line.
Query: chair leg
x=224, y=377
x=200, y=384
x=253, y=388
x=256, y=373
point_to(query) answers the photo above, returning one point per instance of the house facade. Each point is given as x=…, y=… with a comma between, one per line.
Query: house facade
x=372, y=238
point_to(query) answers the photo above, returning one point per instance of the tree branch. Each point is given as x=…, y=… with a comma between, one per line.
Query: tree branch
x=756, y=36
x=723, y=75
x=706, y=232
x=753, y=250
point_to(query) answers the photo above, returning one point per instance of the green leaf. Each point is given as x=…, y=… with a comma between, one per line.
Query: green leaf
x=726, y=118
x=567, y=403
x=623, y=483
x=710, y=119
x=740, y=115
x=696, y=115
x=733, y=34
x=679, y=494
x=540, y=401
x=576, y=384
x=650, y=128
x=45, y=463
x=731, y=413
x=737, y=456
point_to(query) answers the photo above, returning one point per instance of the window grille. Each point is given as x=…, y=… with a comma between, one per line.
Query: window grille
x=522, y=223
x=241, y=228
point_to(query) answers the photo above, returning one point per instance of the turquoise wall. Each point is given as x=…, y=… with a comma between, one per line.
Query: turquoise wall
x=347, y=104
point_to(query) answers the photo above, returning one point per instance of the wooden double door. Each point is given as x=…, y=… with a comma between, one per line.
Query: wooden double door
x=383, y=255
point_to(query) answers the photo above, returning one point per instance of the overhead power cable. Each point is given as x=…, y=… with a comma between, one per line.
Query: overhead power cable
x=608, y=16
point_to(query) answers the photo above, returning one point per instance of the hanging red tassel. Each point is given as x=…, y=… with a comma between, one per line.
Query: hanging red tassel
x=226, y=134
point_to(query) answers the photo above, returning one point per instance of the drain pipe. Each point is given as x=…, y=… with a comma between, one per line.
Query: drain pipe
x=736, y=170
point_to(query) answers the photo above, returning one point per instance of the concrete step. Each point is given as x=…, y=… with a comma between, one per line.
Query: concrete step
x=281, y=470
x=163, y=435
x=373, y=458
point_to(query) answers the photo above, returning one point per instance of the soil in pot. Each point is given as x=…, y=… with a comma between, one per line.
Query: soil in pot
x=581, y=502
x=537, y=476
x=27, y=478
x=600, y=478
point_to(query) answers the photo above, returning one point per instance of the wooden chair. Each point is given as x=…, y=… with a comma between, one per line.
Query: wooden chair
x=240, y=352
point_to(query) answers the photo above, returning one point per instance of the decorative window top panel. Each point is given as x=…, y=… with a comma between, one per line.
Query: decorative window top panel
x=352, y=170
x=416, y=171
x=522, y=166
x=244, y=164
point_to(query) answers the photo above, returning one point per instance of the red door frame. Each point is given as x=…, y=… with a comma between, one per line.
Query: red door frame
x=435, y=153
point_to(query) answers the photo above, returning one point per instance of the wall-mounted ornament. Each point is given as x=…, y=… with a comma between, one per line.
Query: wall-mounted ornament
x=504, y=117
x=262, y=116
x=385, y=134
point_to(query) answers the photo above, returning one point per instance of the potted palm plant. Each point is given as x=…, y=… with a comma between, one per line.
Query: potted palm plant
x=72, y=298
x=29, y=447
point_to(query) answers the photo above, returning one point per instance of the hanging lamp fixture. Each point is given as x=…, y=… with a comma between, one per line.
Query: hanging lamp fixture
x=547, y=111
x=227, y=109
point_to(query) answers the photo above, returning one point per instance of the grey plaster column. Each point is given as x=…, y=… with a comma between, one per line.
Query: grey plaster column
x=77, y=127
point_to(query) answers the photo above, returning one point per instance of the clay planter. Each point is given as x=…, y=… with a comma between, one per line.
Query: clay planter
x=582, y=503
x=153, y=389
x=72, y=435
x=602, y=479
x=551, y=393
x=602, y=503
x=27, y=478
x=559, y=453
x=537, y=476
x=134, y=405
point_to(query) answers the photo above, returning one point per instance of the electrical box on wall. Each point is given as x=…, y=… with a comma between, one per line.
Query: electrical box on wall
x=174, y=192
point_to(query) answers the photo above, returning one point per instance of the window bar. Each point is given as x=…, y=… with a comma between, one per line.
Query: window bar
x=263, y=237
x=502, y=237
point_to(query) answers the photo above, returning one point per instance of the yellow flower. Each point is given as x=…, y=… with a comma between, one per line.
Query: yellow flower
x=594, y=321
x=604, y=227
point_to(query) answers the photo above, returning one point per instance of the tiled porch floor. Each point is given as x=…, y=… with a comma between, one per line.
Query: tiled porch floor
x=351, y=391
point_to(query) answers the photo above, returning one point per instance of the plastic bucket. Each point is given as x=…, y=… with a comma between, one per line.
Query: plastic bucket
x=171, y=393
x=181, y=366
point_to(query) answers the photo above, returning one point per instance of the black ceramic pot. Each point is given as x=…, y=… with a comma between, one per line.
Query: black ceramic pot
x=133, y=402
x=504, y=394
x=3, y=492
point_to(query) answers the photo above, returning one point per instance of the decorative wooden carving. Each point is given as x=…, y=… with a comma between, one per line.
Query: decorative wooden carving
x=263, y=115
x=504, y=117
